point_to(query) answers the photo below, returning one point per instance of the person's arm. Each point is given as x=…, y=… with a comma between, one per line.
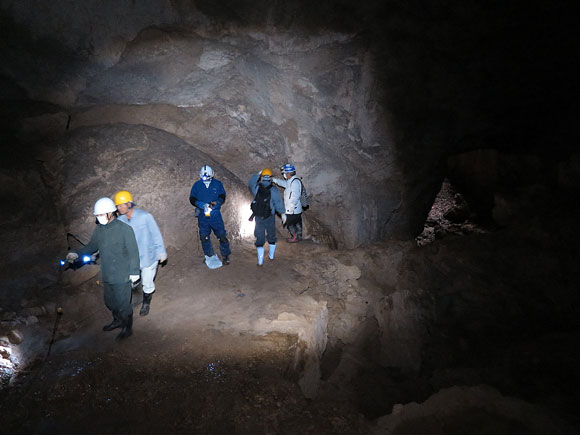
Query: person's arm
x=253, y=183
x=221, y=196
x=156, y=238
x=193, y=197
x=91, y=247
x=280, y=182
x=276, y=201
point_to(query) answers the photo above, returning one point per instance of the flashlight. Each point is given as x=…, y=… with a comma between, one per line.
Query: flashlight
x=86, y=259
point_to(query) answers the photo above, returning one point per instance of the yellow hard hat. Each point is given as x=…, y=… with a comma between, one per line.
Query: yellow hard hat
x=123, y=197
x=266, y=171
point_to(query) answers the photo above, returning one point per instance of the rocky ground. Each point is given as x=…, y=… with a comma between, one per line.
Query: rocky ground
x=319, y=341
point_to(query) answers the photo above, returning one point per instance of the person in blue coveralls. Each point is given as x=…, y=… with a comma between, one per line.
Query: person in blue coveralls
x=207, y=196
x=151, y=247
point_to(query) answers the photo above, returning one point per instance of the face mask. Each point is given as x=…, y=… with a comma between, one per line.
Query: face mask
x=103, y=220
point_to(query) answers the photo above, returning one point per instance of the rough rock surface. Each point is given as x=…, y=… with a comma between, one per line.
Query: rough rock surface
x=473, y=410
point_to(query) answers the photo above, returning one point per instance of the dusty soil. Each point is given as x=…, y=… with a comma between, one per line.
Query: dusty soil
x=190, y=366
x=225, y=351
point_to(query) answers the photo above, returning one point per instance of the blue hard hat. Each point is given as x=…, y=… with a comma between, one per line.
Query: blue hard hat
x=287, y=168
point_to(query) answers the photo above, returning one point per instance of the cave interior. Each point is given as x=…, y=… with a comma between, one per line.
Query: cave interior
x=436, y=288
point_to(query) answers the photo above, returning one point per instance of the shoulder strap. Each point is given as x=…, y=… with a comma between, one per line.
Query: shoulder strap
x=301, y=185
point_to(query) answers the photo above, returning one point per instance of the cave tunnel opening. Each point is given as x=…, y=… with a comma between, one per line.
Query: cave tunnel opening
x=356, y=329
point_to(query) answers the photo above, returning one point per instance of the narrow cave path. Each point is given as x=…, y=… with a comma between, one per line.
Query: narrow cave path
x=203, y=361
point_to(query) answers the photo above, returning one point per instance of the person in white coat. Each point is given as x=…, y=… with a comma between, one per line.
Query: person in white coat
x=150, y=242
x=292, y=189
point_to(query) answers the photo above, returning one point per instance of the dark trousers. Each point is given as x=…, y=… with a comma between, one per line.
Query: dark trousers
x=215, y=224
x=265, y=229
x=118, y=299
x=294, y=224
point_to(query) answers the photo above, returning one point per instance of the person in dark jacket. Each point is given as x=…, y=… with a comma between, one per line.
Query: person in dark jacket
x=260, y=185
x=208, y=195
x=119, y=258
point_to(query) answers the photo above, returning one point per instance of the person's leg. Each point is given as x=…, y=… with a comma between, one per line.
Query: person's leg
x=291, y=220
x=299, y=227
x=118, y=300
x=147, y=280
x=270, y=226
x=220, y=231
x=260, y=234
x=123, y=301
x=204, y=235
x=109, y=297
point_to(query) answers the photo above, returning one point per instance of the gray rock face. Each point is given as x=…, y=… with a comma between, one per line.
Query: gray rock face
x=156, y=167
x=248, y=97
x=258, y=101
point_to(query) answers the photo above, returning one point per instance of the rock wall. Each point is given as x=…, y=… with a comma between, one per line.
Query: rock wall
x=367, y=99
x=249, y=96
x=157, y=168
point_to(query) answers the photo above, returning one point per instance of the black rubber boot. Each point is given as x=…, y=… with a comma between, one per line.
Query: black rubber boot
x=226, y=260
x=116, y=323
x=146, y=303
x=127, y=330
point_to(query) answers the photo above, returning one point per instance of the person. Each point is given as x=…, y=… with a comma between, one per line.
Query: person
x=119, y=256
x=208, y=195
x=267, y=202
x=149, y=240
x=292, y=189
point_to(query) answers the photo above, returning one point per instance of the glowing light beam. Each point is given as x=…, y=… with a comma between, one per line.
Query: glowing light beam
x=244, y=213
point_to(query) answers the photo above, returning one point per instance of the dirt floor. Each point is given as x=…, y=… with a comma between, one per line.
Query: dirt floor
x=191, y=366
x=390, y=336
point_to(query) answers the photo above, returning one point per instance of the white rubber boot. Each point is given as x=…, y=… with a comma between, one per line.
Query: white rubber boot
x=260, y=255
x=271, y=250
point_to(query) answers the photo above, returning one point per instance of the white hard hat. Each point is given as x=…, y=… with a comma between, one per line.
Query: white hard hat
x=206, y=173
x=104, y=205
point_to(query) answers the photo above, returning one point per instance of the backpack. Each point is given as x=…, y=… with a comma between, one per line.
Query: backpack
x=304, y=199
x=261, y=204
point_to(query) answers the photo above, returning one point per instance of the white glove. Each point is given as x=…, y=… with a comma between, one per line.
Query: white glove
x=283, y=218
x=71, y=257
x=134, y=278
x=162, y=257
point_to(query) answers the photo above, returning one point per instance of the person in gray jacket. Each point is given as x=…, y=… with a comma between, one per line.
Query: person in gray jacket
x=267, y=201
x=119, y=257
x=150, y=242
x=292, y=189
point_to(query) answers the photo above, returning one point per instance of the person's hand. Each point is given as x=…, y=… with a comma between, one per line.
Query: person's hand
x=134, y=278
x=283, y=218
x=213, y=203
x=162, y=257
x=71, y=257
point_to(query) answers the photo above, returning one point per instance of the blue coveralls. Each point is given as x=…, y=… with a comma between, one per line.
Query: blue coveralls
x=198, y=197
